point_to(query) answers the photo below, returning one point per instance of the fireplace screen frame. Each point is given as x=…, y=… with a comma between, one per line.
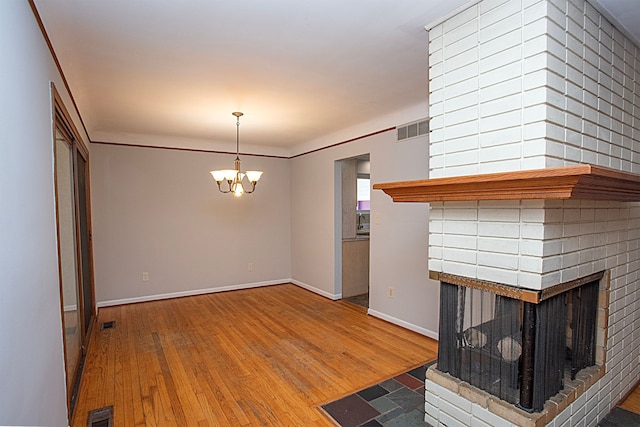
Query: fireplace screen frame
x=532, y=368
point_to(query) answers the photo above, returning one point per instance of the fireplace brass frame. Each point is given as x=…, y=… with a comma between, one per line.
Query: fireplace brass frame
x=526, y=295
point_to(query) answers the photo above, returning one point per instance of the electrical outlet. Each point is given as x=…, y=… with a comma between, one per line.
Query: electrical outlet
x=390, y=292
x=377, y=219
x=250, y=266
x=145, y=276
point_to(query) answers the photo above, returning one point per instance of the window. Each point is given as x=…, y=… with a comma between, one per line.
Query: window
x=364, y=194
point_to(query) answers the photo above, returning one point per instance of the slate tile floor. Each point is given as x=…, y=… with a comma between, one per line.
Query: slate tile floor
x=396, y=402
x=399, y=402
x=619, y=417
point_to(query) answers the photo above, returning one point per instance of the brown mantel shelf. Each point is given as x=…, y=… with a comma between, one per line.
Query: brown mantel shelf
x=586, y=182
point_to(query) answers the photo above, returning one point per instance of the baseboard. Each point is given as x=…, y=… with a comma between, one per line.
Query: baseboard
x=316, y=290
x=156, y=297
x=406, y=325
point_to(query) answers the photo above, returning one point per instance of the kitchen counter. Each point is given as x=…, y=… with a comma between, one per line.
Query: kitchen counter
x=357, y=238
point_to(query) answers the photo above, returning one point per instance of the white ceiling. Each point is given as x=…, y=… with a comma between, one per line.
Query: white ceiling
x=166, y=72
x=625, y=13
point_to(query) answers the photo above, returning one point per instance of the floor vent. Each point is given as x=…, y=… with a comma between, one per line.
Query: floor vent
x=102, y=417
x=108, y=325
x=412, y=130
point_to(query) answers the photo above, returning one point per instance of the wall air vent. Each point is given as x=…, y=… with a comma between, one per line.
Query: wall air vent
x=412, y=130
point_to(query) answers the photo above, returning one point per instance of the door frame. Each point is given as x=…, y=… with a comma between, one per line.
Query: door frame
x=61, y=120
x=338, y=220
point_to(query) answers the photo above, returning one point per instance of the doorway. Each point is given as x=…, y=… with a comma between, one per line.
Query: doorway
x=353, y=221
x=75, y=266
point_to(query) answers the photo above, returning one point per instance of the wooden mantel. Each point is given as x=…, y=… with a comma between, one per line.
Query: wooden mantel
x=585, y=182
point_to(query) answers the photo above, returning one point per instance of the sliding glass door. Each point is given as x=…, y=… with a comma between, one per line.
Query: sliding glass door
x=84, y=240
x=75, y=260
x=67, y=256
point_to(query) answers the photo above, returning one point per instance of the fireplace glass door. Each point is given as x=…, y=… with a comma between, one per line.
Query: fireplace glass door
x=516, y=350
x=485, y=333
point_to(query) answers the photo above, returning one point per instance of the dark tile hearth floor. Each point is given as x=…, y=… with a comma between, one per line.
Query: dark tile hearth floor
x=396, y=402
x=399, y=402
x=619, y=417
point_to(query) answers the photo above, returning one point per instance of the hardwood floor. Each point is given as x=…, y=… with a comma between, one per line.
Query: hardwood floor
x=257, y=357
x=632, y=401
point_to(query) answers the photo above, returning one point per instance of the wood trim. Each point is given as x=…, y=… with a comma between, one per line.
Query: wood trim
x=344, y=142
x=195, y=150
x=586, y=182
x=47, y=40
x=65, y=118
x=202, y=150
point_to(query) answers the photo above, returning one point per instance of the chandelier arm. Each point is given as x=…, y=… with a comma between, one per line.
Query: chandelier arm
x=220, y=188
x=230, y=185
x=244, y=188
x=253, y=188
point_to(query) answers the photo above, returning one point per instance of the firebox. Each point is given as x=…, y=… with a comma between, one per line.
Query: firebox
x=516, y=344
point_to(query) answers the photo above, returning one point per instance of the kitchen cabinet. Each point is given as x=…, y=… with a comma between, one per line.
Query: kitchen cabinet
x=355, y=266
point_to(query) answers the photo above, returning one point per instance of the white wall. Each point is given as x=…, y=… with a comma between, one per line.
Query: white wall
x=159, y=211
x=398, y=243
x=32, y=375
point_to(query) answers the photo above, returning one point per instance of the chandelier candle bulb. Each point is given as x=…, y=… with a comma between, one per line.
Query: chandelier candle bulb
x=234, y=179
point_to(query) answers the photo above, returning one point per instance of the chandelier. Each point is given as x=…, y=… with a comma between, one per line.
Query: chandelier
x=234, y=180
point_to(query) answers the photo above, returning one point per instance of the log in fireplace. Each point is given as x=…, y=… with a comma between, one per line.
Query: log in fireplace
x=515, y=345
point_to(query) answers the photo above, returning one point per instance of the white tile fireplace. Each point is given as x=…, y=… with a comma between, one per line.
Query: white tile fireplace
x=522, y=92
